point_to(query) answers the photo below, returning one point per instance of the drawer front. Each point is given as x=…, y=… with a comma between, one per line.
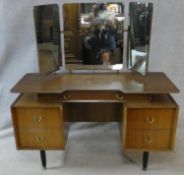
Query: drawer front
x=92, y=95
x=150, y=118
x=115, y=96
x=29, y=117
x=40, y=139
x=148, y=140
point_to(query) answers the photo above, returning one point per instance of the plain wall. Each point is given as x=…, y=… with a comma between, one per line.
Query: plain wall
x=18, y=52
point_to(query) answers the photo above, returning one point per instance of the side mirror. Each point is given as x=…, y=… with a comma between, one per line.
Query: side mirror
x=139, y=34
x=47, y=29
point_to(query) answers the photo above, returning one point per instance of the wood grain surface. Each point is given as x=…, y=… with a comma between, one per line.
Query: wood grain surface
x=153, y=83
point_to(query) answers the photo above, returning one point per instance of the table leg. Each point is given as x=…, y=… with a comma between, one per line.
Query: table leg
x=43, y=158
x=145, y=160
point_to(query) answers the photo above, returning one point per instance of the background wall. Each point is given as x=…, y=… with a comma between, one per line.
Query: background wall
x=18, y=53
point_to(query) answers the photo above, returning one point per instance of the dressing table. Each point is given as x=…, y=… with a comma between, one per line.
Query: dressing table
x=144, y=108
x=142, y=105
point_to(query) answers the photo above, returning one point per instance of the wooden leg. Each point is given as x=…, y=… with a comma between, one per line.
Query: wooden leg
x=145, y=160
x=43, y=158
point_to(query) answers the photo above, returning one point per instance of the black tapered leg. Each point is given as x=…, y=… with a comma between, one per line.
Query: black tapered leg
x=43, y=158
x=145, y=160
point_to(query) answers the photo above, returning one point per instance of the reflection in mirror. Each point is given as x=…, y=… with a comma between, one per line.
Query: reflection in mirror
x=93, y=35
x=139, y=36
x=48, y=37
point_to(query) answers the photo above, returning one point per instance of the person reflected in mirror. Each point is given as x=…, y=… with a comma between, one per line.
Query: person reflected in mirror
x=105, y=57
x=99, y=35
x=110, y=36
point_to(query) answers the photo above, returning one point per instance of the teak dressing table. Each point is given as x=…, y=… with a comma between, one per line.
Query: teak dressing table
x=141, y=104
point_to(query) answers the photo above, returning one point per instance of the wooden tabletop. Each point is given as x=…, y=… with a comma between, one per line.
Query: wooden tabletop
x=130, y=83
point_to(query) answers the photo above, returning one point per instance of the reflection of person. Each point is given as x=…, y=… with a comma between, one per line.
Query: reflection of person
x=99, y=35
x=110, y=37
x=105, y=57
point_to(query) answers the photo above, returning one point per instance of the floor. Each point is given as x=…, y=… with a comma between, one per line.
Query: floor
x=92, y=148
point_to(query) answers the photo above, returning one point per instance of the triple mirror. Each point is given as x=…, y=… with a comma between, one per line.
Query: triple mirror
x=93, y=36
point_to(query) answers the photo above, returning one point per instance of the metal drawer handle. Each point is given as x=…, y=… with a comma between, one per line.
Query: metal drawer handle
x=148, y=140
x=119, y=96
x=67, y=96
x=150, y=120
x=39, y=139
x=37, y=119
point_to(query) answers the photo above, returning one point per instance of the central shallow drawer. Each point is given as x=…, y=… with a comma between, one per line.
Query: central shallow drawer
x=87, y=96
x=90, y=96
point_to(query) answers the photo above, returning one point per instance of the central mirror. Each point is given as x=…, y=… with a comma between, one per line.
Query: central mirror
x=93, y=35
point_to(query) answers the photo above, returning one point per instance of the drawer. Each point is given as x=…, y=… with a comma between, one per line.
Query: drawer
x=150, y=118
x=148, y=140
x=92, y=95
x=104, y=95
x=36, y=117
x=40, y=139
x=114, y=96
x=69, y=96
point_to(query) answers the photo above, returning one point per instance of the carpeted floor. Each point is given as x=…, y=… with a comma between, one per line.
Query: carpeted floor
x=92, y=149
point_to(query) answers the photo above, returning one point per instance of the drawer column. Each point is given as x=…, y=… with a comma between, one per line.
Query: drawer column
x=149, y=126
x=38, y=125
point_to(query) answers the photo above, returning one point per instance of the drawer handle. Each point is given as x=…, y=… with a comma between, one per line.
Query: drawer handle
x=39, y=139
x=37, y=119
x=67, y=96
x=148, y=140
x=150, y=120
x=119, y=96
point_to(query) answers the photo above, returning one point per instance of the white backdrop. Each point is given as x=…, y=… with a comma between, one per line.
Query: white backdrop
x=18, y=54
